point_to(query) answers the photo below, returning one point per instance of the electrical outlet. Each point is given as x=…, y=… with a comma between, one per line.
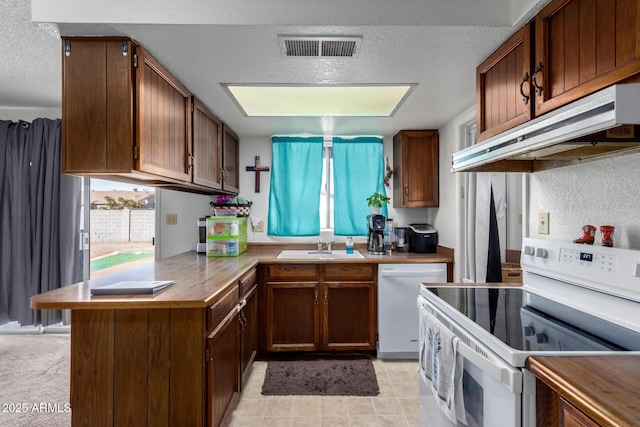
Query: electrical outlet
x=172, y=219
x=543, y=222
x=260, y=227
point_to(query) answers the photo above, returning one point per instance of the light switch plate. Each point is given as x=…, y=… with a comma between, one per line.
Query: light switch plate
x=543, y=222
x=172, y=219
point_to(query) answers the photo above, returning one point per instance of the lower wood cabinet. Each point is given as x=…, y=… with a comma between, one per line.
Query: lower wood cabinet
x=221, y=356
x=230, y=348
x=570, y=416
x=313, y=307
x=248, y=325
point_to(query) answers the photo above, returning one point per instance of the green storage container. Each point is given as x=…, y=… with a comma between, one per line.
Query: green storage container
x=226, y=227
x=218, y=246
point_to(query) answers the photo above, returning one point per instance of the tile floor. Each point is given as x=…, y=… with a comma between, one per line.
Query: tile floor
x=396, y=405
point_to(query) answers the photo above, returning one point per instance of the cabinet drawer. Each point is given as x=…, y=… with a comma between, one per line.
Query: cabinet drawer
x=292, y=271
x=219, y=309
x=247, y=282
x=348, y=272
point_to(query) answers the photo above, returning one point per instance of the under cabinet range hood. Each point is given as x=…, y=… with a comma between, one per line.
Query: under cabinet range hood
x=603, y=123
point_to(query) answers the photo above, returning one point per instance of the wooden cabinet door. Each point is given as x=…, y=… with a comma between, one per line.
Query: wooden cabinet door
x=163, y=118
x=248, y=334
x=503, y=95
x=415, y=162
x=230, y=164
x=583, y=46
x=570, y=416
x=222, y=369
x=293, y=316
x=348, y=316
x=207, y=147
x=97, y=105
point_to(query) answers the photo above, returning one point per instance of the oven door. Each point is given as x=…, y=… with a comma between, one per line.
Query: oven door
x=492, y=389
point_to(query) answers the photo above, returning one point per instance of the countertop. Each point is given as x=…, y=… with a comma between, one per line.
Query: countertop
x=199, y=279
x=605, y=388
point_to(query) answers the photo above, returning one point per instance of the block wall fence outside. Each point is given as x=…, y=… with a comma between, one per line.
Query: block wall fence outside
x=126, y=225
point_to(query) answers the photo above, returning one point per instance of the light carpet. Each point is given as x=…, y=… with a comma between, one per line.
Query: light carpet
x=34, y=380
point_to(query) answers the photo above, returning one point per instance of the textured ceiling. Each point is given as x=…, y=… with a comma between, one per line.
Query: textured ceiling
x=435, y=44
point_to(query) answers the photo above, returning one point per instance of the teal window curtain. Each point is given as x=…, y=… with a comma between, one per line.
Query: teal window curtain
x=358, y=172
x=296, y=178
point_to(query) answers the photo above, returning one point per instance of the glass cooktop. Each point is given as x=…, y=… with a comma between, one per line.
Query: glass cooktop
x=501, y=312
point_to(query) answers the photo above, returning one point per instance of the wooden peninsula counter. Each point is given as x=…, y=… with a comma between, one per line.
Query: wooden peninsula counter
x=142, y=359
x=180, y=357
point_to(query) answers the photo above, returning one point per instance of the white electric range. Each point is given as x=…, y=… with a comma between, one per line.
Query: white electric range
x=576, y=300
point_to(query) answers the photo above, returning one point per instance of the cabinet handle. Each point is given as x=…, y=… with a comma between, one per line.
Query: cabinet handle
x=533, y=79
x=315, y=297
x=406, y=190
x=525, y=98
x=326, y=297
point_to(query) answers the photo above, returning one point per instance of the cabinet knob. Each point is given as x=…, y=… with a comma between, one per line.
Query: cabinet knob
x=406, y=190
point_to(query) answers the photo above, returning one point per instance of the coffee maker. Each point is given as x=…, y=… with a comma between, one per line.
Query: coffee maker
x=375, y=240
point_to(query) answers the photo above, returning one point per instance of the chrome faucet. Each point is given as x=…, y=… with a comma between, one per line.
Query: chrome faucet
x=321, y=246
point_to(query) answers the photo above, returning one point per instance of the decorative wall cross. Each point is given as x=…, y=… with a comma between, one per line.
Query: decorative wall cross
x=257, y=169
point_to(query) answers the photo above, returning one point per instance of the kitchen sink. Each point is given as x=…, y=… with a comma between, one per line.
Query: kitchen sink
x=306, y=254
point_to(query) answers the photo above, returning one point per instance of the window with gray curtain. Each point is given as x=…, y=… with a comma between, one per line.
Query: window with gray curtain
x=39, y=220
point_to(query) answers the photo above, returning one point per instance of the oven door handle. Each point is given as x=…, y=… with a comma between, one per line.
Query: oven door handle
x=507, y=375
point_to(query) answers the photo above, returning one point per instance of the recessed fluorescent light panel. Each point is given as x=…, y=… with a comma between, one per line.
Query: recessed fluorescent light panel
x=307, y=100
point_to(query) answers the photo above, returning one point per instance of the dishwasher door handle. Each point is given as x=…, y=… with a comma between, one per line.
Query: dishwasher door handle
x=418, y=274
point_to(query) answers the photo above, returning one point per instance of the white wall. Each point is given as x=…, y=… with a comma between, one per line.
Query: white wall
x=29, y=114
x=601, y=192
x=258, y=146
x=447, y=216
x=182, y=237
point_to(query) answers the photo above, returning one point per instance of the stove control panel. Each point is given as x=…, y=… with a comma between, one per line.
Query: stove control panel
x=614, y=271
x=602, y=262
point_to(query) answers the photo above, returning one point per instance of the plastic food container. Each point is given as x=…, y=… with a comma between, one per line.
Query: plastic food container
x=226, y=247
x=226, y=227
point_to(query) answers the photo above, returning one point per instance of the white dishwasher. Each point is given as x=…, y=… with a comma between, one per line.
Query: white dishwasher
x=398, y=289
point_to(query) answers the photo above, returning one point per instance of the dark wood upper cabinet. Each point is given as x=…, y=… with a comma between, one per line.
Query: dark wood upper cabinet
x=582, y=46
x=231, y=162
x=415, y=165
x=503, y=87
x=207, y=147
x=97, y=105
x=570, y=49
x=125, y=117
x=123, y=113
x=163, y=113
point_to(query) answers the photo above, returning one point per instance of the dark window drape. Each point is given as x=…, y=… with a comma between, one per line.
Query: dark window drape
x=34, y=256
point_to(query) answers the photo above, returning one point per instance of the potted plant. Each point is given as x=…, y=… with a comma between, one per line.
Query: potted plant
x=376, y=201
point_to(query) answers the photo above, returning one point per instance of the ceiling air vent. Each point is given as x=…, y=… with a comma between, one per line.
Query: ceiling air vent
x=320, y=47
